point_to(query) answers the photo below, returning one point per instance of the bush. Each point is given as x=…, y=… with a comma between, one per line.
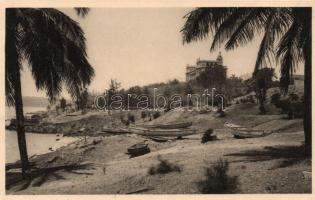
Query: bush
x=143, y=114
x=217, y=181
x=164, y=167
x=131, y=118
x=275, y=99
x=221, y=113
x=156, y=114
x=293, y=97
x=207, y=136
x=126, y=122
x=292, y=107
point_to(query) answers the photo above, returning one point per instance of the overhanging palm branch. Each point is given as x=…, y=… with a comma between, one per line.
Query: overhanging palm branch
x=238, y=26
x=54, y=46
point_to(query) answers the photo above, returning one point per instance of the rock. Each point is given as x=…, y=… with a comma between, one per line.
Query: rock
x=96, y=141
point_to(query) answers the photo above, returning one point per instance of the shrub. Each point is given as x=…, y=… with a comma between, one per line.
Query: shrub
x=131, y=118
x=156, y=114
x=164, y=167
x=207, y=136
x=275, y=99
x=293, y=108
x=293, y=97
x=126, y=122
x=221, y=113
x=217, y=181
x=143, y=114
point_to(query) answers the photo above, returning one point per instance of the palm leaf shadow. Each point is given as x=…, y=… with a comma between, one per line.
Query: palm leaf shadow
x=288, y=155
x=39, y=176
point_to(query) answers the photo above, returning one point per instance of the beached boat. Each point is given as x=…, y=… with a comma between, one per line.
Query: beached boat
x=139, y=148
x=158, y=139
x=115, y=130
x=163, y=132
x=231, y=125
x=169, y=126
x=243, y=133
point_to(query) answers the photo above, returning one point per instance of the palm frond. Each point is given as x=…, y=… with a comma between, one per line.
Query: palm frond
x=82, y=11
x=276, y=26
x=288, y=54
x=12, y=57
x=228, y=26
x=248, y=27
x=201, y=21
x=304, y=19
x=54, y=46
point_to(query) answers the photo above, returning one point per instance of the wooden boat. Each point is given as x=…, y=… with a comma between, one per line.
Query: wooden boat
x=158, y=139
x=231, y=125
x=115, y=130
x=169, y=126
x=163, y=132
x=242, y=133
x=139, y=148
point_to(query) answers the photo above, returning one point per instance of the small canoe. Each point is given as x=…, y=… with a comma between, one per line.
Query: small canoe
x=231, y=125
x=243, y=133
x=115, y=130
x=163, y=132
x=158, y=139
x=138, y=149
x=169, y=126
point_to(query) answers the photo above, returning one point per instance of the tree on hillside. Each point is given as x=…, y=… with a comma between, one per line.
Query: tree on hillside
x=63, y=104
x=287, y=36
x=188, y=90
x=54, y=47
x=212, y=77
x=82, y=99
x=234, y=86
x=134, y=92
x=114, y=86
x=263, y=81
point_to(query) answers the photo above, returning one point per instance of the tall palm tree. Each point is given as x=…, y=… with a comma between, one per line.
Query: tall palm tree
x=287, y=38
x=53, y=46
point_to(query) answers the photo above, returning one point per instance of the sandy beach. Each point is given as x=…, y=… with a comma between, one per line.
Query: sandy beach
x=271, y=164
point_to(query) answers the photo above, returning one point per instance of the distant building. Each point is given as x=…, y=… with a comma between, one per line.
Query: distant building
x=193, y=71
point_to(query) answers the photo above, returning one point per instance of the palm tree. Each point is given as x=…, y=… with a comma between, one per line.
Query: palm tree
x=54, y=47
x=287, y=38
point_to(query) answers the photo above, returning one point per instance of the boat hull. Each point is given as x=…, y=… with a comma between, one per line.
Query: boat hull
x=169, y=126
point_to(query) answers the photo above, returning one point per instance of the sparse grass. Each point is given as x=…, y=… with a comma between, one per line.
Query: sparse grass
x=217, y=181
x=164, y=167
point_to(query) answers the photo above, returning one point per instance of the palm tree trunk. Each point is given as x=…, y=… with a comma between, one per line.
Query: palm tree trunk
x=308, y=99
x=308, y=85
x=20, y=124
x=12, y=64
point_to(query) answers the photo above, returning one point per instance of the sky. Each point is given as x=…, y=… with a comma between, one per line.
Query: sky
x=139, y=46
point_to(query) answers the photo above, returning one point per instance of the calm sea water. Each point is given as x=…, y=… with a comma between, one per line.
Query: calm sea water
x=36, y=143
